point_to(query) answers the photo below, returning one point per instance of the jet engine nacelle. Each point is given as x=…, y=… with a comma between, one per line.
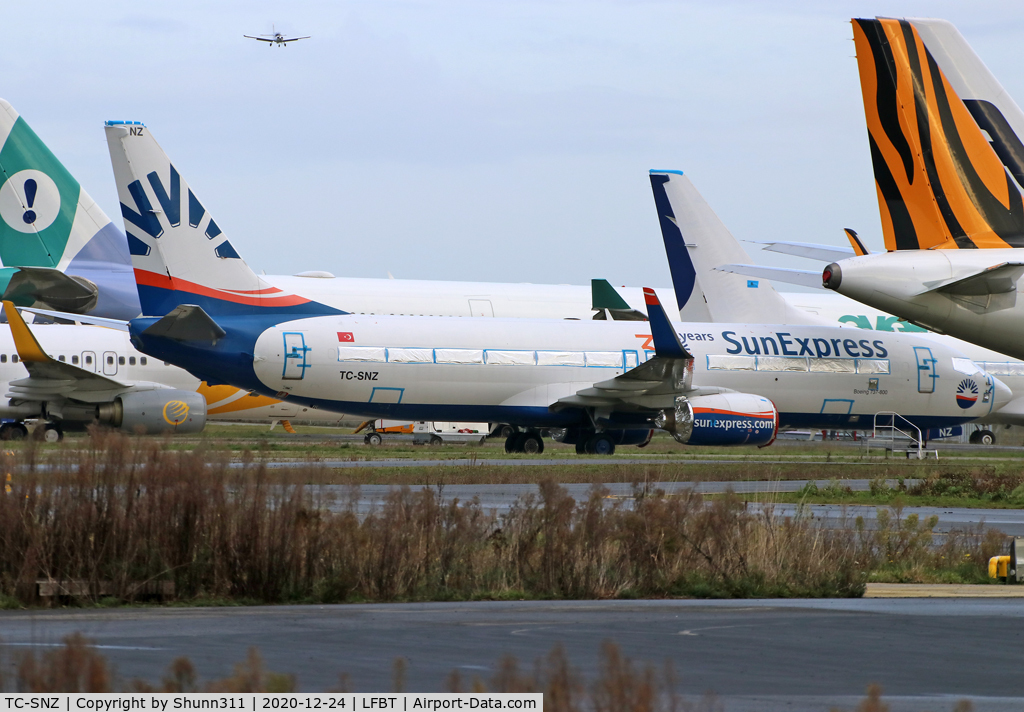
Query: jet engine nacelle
x=721, y=419
x=161, y=410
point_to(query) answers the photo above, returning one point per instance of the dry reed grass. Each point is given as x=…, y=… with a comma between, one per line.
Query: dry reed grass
x=125, y=512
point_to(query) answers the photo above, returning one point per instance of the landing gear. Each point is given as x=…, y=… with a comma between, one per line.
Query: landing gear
x=506, y=431
x=600, y=444
x=978, y=437
x=373, y=439
x=52, y=433
x=596, y=444
x=529, y=443
x=13, y=431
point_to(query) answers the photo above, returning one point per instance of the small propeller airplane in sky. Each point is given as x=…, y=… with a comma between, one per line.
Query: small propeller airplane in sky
x=276, y=38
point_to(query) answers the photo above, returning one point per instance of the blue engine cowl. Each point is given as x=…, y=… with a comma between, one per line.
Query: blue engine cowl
x=721, y=419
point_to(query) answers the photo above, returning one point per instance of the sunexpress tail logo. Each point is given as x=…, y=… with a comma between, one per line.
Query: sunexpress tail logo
x=37, y=197
x=145, y=218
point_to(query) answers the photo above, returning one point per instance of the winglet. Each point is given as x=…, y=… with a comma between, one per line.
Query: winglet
x=666, y=340
x=855, y=243
x=24, y=340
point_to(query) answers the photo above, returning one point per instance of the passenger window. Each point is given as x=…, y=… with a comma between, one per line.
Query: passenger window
x=61, y=358
x=74, y=360
x=3, y=358
x=120, y=360
x=131, y=360
x=88, y=360
x=142, y=361
x=110, y=360
x=14, y=358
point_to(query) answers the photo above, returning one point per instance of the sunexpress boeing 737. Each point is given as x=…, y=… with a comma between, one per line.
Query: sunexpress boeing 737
x=602, y=383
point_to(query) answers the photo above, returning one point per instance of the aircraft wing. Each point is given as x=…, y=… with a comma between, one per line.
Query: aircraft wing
x=653, y=384
x=804, y=278
x=293, y=39
x=261, y=39
x=997, y=279
x=825, y=253
x=50, y=378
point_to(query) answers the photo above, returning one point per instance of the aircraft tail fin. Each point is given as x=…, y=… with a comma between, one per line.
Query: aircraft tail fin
x=179, y=253
x=992, y=107
x=606, y=301
x=48, y=221
x=940, y=183
x=696, y=243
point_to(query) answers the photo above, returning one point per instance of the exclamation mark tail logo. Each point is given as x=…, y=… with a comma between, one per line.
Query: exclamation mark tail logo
x=30, y=199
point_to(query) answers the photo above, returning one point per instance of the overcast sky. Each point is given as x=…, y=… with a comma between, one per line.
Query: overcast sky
x=488, y=140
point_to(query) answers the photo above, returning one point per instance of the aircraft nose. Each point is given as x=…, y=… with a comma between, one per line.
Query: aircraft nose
x=1002, y=395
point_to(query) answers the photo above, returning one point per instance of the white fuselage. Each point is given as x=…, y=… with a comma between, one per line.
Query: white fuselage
x=512, y=370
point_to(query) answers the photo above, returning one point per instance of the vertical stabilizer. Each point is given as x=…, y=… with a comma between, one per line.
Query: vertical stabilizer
x=993, y=109
x=47, y=221
x=696, y=242
x=940, y=183
x=180, y=254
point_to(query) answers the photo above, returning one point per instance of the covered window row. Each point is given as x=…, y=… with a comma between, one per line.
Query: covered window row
x=809, y=364
x=498, y=357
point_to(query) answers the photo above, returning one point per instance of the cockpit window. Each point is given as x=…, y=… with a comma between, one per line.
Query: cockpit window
x=966, y=366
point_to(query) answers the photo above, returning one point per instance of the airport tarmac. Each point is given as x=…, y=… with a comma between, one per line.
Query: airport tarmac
x=501, y=497
x=755, y=654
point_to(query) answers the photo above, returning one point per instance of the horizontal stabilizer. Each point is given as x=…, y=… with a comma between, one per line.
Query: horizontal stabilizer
x=117, y=324
x=187, y=322
x=805, y=278
x=47, y=287
x=825, y=253
x=997, y=279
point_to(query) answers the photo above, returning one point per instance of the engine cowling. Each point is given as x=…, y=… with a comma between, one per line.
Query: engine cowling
x=161, y=410
x=721, y=419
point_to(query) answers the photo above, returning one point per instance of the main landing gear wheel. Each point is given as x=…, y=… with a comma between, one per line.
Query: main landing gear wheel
x=506, y=431
x=13, y=431
x=529, y=443
x=600, y=444
x=581, y=447
x=373, y=439
x=532, y=444
x=52, y=433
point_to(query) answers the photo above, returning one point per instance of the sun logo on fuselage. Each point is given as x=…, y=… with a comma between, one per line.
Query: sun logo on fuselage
x=966, y=393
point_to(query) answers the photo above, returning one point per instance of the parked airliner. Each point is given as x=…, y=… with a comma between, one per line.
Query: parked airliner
x=602, y=383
